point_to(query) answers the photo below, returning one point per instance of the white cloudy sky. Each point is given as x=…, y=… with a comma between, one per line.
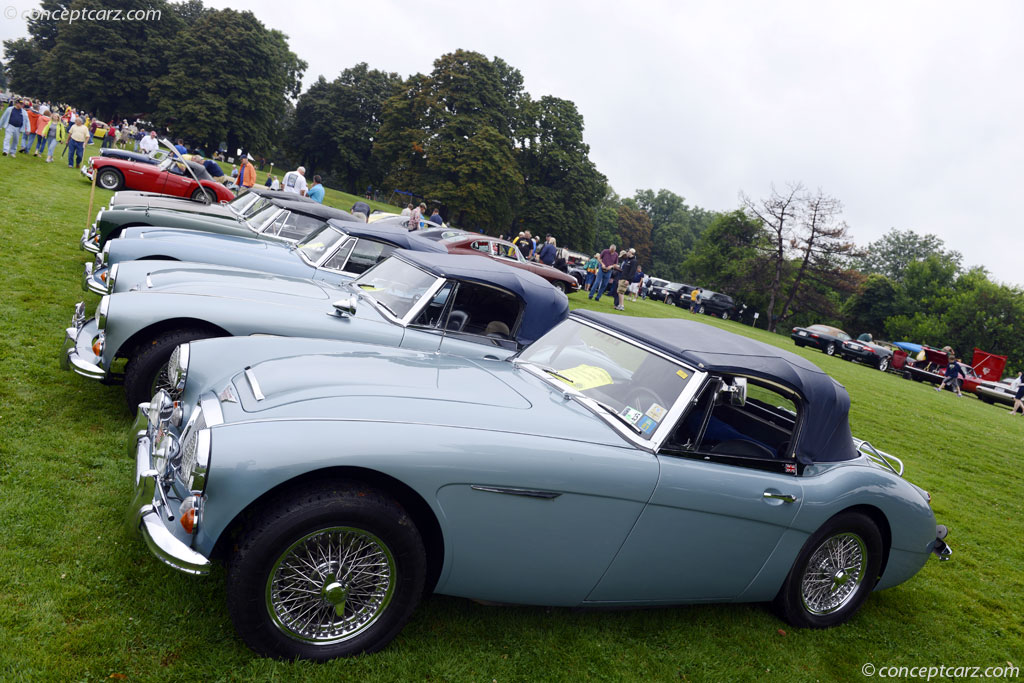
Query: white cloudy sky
x=911, y=113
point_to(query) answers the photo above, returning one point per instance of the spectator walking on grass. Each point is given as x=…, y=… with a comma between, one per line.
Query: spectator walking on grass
x=42, y=123
x=78, y=135
x=1017, y=387
x=316, y=193
x=12, y=122
x=52, y=134
x=591, y=267
x=295, y=181
x=609, y=258
x=634, y=285
x=953, y=374
x=627, y=269
x=247, y=173
x=694, y=298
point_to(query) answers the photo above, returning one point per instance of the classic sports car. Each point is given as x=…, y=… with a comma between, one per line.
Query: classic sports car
x=126, y=199
x=341, y=487
x=427, y=301
x=507, y=253
x=271, y=218
x=336, y=252
x=867, y=352
x=824, y=337
x=170, y=176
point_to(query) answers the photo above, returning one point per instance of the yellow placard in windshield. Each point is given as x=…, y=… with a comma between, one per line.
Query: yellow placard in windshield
x=369, y=288
x=585, y=377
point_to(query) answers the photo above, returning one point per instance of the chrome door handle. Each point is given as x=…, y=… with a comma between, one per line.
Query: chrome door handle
x=784, y=497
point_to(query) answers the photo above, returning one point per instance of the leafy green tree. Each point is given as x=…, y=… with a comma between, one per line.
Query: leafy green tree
x=635, y=228
x=869, y=308
x=726, y=258
x=677, y=228
x=24, y=59
x=606, y=222
x=897, y=249
x=107, y=67
x=236, y=93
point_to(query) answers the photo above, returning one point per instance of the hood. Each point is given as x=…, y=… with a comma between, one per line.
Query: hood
x=160, y=204
x=203, y=280
x=399, y=385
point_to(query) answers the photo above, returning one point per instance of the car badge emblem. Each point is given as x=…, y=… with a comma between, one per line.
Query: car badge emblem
x=227, y=395
x=790, y=468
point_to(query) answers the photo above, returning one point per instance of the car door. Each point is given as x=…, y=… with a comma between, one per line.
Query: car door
x=177, y=182
x=714, y=518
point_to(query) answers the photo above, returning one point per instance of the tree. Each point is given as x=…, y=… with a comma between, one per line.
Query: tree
x=635, y=228
x=893, y=252
x=726, y=258
x=235, y=94
x=677, y=228
x=24, y=57
x=777, y=213
x=869, y=308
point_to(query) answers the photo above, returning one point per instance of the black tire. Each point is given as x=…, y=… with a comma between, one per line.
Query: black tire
x=149, y=360
x=849, y=533
x=110, y=179
x=725, y=315
x=830, y=349
x=798, y=344
x=883, y=363
x=907, y=375
x=203, y=194
x=339, y=513
x=670, y=301
x=561, y=287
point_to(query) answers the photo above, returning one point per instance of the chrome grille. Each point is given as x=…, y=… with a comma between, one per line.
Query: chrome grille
x=188, y=451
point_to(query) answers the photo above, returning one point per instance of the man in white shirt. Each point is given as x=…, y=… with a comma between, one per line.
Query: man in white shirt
x=295, y=181
x=149, y=144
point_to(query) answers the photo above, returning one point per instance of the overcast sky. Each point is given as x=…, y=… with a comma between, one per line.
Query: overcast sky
x=911, y=113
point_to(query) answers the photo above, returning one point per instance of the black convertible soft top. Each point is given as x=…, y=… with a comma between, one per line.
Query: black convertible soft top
x=825, y=433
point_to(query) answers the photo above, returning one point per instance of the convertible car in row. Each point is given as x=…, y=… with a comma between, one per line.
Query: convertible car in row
x=340, y=482
x=171, y=176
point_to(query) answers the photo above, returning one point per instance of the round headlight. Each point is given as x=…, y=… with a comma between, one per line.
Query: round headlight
x=177, y=369
x=101, y=312
x=160, y=408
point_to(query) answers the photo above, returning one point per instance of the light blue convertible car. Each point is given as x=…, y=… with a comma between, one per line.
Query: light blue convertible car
x=615, y=461
x=337, y=251
x=423, y=300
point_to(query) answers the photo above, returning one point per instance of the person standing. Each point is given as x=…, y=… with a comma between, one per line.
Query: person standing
x=548, y=252
x=416, y=216
x=609, y=258
x=12, y=121
x=29, y=131
x=247, y=173
x=627, y=270
x=591, y=267
x=52, y=135
x=316, y=193
x=694, y=298
x=1017, y=387
x=435, y=218
x=148, y=145
x=634, y=285
x=407, y=211
x=180, y=147
x=295, y=181
x=78, y=135
x=40, y=128
x=953, y=374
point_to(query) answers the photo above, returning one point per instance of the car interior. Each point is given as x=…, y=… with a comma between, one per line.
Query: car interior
x=474, y=309
x=293, y=226
x=719, y=426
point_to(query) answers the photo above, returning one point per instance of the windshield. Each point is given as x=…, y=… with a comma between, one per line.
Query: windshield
x=396, y=284
x=259, y=215
x=244, y=202
x=637, y=385
x=317, y=243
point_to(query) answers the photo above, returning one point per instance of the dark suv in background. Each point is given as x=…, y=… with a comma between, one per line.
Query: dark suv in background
x=716, y=304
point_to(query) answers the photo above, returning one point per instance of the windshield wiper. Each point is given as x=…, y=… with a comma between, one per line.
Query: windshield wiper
x=386, y=307
x=546, y=368
x=611, y=411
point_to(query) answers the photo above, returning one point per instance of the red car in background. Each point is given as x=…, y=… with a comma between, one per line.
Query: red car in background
x=507, y=253
x=171, y=177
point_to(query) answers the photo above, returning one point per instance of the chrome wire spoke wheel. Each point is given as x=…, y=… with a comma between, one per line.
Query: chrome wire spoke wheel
x=331, y=585
x=834, y=573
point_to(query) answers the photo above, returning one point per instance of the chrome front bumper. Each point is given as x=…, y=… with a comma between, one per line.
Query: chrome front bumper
x=152, y=513
x=87, y=243
x=91, y=281
x=76, y=351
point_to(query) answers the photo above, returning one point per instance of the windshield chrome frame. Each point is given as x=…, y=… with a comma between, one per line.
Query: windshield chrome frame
x=237, y=200
x=675, y=411
x=415, y=309
x=266, y=223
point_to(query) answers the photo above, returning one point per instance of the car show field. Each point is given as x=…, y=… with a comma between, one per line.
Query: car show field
x=84, y=599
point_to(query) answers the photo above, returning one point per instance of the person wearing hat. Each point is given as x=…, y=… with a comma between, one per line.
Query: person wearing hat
x=13, y=122
x=246, y=172
x=627, y=269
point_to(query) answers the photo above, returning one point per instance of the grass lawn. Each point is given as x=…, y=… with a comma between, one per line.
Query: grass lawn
x=82, y=598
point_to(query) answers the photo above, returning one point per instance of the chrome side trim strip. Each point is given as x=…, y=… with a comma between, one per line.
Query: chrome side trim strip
x=526, y=493
x=256, y=391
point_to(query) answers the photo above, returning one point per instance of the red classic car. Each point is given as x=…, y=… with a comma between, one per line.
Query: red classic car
x=507, y=253
x=169, y=177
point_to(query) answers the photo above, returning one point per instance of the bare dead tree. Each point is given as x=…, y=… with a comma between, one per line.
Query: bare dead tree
x=778, y=213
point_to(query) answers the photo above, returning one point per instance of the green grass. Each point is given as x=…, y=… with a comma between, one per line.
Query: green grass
x=83, y=599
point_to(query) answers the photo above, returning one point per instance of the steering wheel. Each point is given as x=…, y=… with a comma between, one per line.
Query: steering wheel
x=642, y=396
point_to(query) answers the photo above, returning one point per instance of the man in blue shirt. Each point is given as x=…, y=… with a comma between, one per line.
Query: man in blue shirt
x=548, y=252
x=316, y=192
x=180, y=147
x=436, y=218
x=215, y=171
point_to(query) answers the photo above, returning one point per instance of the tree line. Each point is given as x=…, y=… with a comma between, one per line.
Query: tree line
x=468, y=138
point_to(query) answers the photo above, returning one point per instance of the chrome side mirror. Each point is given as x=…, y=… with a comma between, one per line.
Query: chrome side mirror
x=736, y=392
x=346, y=306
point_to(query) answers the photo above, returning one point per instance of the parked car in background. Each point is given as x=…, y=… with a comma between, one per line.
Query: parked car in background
x=128, y=155
x=714, y=303
x=427, y=301
x=996, y=392
x=336, y=252
x=271, y=218
x=507, y=253
x=244, y=202
x=170, y=176
x=656, y=288
x=339, y=488
x=867, y=352
x=822, y=337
